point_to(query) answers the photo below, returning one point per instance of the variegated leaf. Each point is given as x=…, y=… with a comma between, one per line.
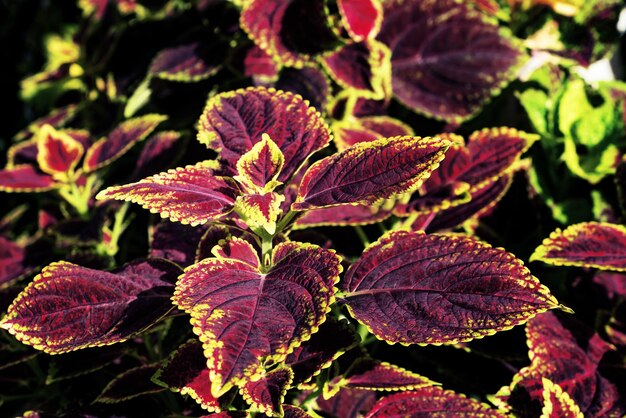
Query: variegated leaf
x=106, y=150
x=68, y=307
x=185, y=371
x=587, y=244
x=259, y=168
x=268, y=393
x=556, y=403
x=191, y=195
x=431, y=401
x=233, y=122
x=369, y=172
x=260, y=211
x=376, y=375
x=343, y=215
x=25, y=178
x=414, y=288
x=361, y=18
x=244, y=315
x=57, y=152
x=185, y=63
x=447, y=59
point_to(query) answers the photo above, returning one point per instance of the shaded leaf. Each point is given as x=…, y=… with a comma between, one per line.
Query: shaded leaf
x=56, y=118
x=131, y=384
x=310, y=82
x=368, y=172
x=191, y=195
x=375, y=375
x=333, y=339
x=185, y=371
x=233, y=122
x=363, y=67
x=158, y=154
x=614, y=283
x=68, y=307
x=430, y=401
x=587, y=244
x=291, y=411
x=243, y=315
x=348, y=403
x=414, y=288
x=361, y=18
x=267, y=394
x=106, y=150
x=447, y=59
x=11, y=261
x=184, y=63
x=78, y=363
x=175, y=242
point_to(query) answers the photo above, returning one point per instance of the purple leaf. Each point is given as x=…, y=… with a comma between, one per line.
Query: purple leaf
x=184, y=63
x=131, y=384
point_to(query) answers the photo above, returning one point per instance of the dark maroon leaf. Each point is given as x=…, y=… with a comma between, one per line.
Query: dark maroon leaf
x=11, y=261
x=176, y=242
x=332, y=340
x=291, y=411
x=587, y=244
x=78, y=363
x=447, y=59
x=430, y=401
x=309, y=82
x=348, y=403
x=56, y=118
x=22, y=153
x=159, y=153
x=268, y=393
x=233, y=122
x=343, y=215
x=185, y=371
x=68, y=307
x=614, y=283
x=243, y=315
x=372, y=374
x=130, y=384
x=368, y=172
x=410, y=287
x=187, y=63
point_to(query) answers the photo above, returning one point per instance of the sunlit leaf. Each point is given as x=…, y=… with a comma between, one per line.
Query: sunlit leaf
x=233, y=122
x=57, y=152
x=587, y=244
x=260, y=211
x=243, y=315
x=431, y=401
x=369, y=172
x=556, y=403
x=414, y=288
x=258, y=169
x=361, y=18
x=447, y=59
x=190, y=195
x=267, y=394
x=106, y=150
x=68, y=307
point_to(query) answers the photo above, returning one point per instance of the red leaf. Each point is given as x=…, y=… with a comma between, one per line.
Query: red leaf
x=430, y=401
x=191, y=195
x=267, y=394
x=587, y=244
x=368, y=172
x=11, y=261
x=233, y=122
x=185, y=371
x=291, y=411
x=106, y=150
x=243, y=315
x=343, y=215
x=68, y=307
x=25, y=178
x=361, y=18
x=414, y=288
x=348, y=403
x=447, y=59
x=375, y=375
x=556, y=403
x=260, y=66
x=366, y=129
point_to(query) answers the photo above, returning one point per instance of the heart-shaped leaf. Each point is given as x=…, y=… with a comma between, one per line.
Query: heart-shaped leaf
x=268, y=393
x=106, y=150
x=68, y=307
x=244, y=315
x=587, y=244
x=431, y=401
x=233, y=122
x=414, y=288
x=361, y=18
x=191, y=195
x=185, y=371
x=447, y=59
x=369, y=172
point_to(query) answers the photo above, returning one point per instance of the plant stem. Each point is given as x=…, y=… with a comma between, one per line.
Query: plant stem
x=362, y=235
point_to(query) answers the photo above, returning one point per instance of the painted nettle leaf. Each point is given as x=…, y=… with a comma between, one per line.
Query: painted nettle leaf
x=599, y=245
x=441, y=299
x=447, y=58
x=556, y=403
x=268, y=393
x=372, y=374
x=185, y=63
x=68, y=307
x=361, y=19
x=244, y=313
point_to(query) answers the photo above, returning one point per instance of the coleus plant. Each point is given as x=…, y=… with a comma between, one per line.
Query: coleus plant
x=259, y=299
